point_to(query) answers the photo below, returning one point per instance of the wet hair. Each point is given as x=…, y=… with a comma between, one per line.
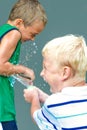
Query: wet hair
x=28, y=11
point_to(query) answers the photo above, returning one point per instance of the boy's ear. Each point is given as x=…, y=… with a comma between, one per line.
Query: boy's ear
x=19, y=22
x=66, y=73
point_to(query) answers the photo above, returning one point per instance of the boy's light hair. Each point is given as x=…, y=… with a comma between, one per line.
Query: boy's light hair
x=69, y=50
x=28, y=11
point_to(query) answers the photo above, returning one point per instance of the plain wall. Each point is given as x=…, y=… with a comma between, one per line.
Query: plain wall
x=64, y=17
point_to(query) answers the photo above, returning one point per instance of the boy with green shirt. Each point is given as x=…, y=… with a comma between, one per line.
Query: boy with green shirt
x=27, y=19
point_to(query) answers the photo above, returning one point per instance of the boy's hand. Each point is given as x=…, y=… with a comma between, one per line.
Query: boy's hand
x=30, y=94
x=34, y=92
x=29, y=73
x=42, y=95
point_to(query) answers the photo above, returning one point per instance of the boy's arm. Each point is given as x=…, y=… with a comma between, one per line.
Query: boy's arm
x=42, y=95
x=7, y=47
x=34, y=96
x=31, y=96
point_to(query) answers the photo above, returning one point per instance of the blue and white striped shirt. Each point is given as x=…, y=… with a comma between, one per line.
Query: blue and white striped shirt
x=66, y=110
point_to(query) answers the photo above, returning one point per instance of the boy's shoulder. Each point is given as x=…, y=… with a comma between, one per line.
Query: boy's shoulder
x=56, y=98
x=5, y=28
x=67, y=94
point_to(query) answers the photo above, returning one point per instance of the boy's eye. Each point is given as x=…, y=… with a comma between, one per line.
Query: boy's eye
x=33, y=35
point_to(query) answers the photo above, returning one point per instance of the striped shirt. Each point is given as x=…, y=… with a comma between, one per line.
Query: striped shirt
x=66, y=110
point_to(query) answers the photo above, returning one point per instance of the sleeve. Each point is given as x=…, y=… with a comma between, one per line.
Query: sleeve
x=44, y=119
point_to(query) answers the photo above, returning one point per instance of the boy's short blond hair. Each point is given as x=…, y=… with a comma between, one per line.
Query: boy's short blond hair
x=70, y=50
x=28, y=11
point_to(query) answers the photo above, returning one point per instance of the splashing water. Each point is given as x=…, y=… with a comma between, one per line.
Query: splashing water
x=22, y=81
x=30, y=52
x=30, y=59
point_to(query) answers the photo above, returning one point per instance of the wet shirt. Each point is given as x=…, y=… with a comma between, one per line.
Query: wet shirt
x=7, y=107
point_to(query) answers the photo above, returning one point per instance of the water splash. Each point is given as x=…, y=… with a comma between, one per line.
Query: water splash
x=22, y=81
x=30, y=59
x=42, y=86
x=30, y=52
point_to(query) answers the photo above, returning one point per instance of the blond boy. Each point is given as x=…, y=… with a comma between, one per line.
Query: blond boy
x=64, y=69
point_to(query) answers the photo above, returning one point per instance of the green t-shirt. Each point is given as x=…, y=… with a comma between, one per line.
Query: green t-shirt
x=7, y=105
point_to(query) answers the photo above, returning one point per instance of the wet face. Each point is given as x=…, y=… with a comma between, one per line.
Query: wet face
x=51, y=74
x=30, y=32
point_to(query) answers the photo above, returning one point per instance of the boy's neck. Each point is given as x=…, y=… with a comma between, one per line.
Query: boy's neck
x=13, y=23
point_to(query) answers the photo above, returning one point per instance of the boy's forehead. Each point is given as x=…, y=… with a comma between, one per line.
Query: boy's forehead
x=38, y=26
x=48, y=61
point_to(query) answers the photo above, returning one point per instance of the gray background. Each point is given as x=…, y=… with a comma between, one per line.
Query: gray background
x=64, y=17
